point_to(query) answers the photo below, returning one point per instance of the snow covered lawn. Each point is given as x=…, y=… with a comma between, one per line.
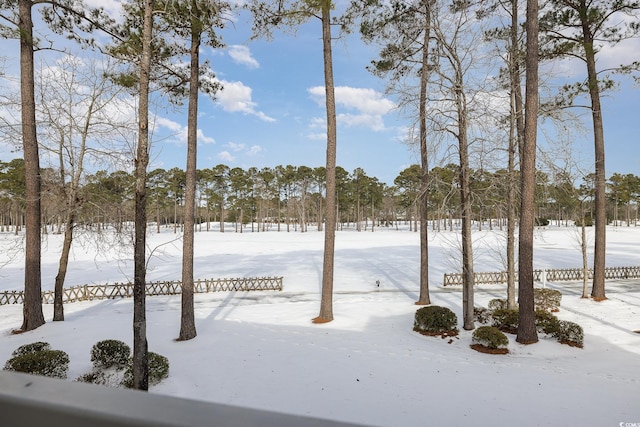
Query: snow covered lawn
x=261, y=350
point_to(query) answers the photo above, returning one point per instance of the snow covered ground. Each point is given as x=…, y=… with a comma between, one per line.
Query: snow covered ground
x=261, y=350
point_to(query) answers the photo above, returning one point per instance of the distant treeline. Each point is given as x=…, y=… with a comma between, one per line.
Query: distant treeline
x=291, y=198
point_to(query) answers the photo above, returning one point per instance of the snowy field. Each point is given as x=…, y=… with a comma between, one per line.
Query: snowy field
x=261, y=350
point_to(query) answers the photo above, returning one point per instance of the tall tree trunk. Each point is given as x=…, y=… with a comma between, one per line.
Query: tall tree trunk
x=187, y=317
x=326, y=302
x=585, y=258
x=526, y=326
x=58, y=306
x=515, y=143
x=32, y=306
x=468, y=277
x=140, y=345
x=424, y=298
x=222, y=215
x=467, y=242
x=597, y=291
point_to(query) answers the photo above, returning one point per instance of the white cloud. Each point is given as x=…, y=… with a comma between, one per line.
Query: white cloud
x=236, y=97
x=373, y=122
x=235, y=147
x=112, y=7
x=255, y=149
x=369, y=105
x=202, y=138
x=318, y=122
x=242, y=55
x=317, y=136
x=180, y=132
x=621, y=54
x=168, y=124
x=225, y=156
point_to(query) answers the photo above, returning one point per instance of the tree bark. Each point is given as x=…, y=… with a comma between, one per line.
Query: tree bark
x=33, y=316
x=527, y=333
x=140, y=345
x=583, y=248
x=515, y=144
x=187, y=317
x=599, y=255
x=326, y=302
x=58, y=306
x=424, y=298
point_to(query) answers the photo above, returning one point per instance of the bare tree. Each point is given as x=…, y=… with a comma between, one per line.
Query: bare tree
x=457, y=37
x=74, y=101
x=63, y=16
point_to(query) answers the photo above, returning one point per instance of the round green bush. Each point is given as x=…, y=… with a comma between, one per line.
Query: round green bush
x=435, y=320
x=31, y=348
x=506, y=320
x=158, y=370
x=570, y=333
x=48, y=363
x=546, y=322
x=490, y=337
x=497, y=304
x=547, y=299
x=110, y=353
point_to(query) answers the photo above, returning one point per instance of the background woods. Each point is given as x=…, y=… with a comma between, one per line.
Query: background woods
x=290, y=198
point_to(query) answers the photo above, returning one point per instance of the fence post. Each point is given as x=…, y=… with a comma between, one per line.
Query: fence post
x=544, y=278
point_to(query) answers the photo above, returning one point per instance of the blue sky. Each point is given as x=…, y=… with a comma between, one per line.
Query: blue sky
x=271, y=110
x=282, y=122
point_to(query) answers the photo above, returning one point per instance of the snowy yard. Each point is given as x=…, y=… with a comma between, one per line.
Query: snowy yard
x=261, y=350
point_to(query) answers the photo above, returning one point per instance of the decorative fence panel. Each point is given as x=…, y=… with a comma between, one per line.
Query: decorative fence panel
x=551, y=275
x=125, y=290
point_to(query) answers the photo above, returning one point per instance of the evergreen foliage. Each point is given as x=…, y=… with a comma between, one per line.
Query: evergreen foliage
x=31, y=348
x=158, y=370
x=547, y=299
x=48, y=363
x=546, y=322
x=435, y=320
x=490, y=337
x=570, y=333
x=497, y=304
x=506, y=320
x=110, y=353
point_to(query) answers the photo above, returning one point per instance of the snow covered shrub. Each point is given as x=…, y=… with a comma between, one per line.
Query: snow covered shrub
x=506, y=320
x=435, y=320
x=95, y=377
x=547, y=299
x=481, y=315
x=497, y=304
x=31, y=348
x=48, y=363
x=110, y=353
x=489, y=339
x=158, y=370
x=546, y=322
x=570, y=333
